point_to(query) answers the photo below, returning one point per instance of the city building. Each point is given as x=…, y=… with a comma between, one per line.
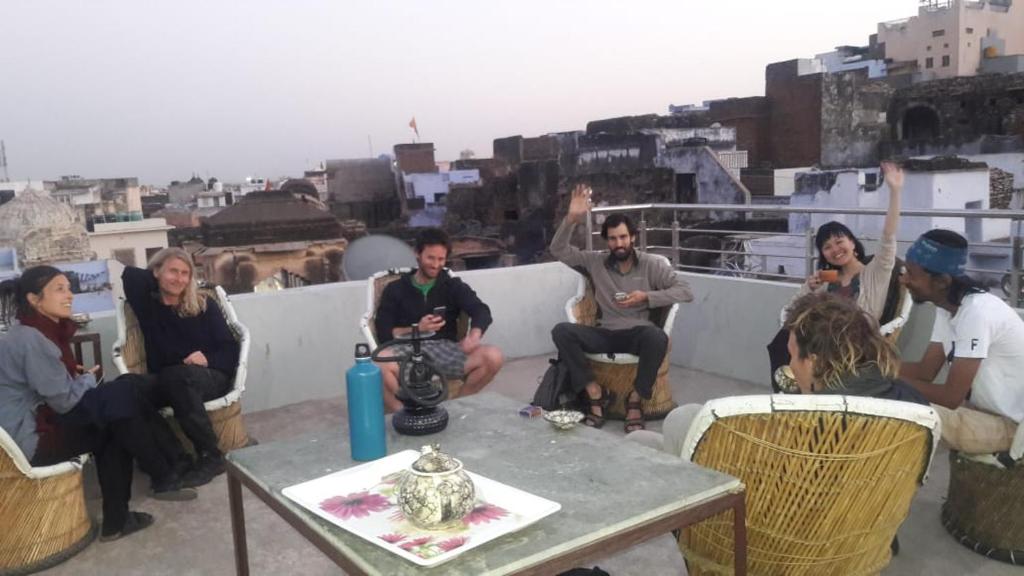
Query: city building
x=42, y=230
x=275, y=233
x=99, y=200
x=130, y=243
x=362, y=189
x=949, y=38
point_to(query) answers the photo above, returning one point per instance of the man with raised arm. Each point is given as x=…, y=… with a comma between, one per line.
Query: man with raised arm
x=627, y=285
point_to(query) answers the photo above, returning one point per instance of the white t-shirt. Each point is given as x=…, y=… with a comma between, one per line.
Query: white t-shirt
x=986, y=327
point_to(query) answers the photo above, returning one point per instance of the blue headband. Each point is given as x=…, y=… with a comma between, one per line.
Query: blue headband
x=937, y=258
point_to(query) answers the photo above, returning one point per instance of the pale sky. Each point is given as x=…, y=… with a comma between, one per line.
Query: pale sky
x=162, y=89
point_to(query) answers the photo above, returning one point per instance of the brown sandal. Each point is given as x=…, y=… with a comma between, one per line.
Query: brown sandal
x=634, y=424
x=602, y=402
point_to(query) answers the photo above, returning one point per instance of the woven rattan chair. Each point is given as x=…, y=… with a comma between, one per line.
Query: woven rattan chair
x=984, y=508
x=891, y=329
x=617, y=372
x=43, y=518
x=374, y=289
x=226, y=412
x=829, y=480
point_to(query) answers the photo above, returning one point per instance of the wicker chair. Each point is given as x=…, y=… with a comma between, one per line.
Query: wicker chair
x=891, y=329
x=43, y=518
x=617, y=372
x=984, y=509
x=226, y=412
x=374, y=289
x=829, y=479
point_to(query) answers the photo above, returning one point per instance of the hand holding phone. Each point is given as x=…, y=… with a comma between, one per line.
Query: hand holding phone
x=440, y=311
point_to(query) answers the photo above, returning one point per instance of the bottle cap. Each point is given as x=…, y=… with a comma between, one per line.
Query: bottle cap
x=362, y=350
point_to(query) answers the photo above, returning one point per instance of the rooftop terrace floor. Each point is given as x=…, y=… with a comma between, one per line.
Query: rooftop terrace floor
x=194, y=538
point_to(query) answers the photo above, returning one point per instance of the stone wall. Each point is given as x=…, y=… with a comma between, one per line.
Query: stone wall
x=961, y=109
x=415, y=158
x=853, y=119
x=1000, y=189
x=794, y=126
x=749, y=116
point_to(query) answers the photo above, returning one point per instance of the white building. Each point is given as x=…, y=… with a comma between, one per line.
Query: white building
x=16, y=187
x=433, y=187
x=130, y=243
x=960, y=188
x=213, y=199
x=951, y=38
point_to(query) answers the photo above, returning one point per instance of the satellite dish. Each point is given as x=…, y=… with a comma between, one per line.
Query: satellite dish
x=370, y=254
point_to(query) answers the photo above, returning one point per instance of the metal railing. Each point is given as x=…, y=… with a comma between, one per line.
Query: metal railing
x=731, y=261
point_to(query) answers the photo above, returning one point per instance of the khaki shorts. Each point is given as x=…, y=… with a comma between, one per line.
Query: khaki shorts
x=975, y=432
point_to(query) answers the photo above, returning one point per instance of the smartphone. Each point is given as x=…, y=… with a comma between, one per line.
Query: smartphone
x=620, y=296
x=440, y=310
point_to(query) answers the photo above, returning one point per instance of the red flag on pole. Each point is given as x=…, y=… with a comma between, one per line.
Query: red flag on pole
x=412, y=124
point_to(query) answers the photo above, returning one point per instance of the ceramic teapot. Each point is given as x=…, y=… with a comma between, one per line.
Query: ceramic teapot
x=435, y=492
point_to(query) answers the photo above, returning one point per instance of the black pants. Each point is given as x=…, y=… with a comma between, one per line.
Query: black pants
x=185, y=388
x=109, y=423
x=573, y=341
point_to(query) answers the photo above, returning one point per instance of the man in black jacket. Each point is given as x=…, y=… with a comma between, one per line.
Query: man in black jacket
x=430, y=297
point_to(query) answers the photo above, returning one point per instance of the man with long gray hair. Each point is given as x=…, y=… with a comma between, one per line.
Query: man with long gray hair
x=188, y=346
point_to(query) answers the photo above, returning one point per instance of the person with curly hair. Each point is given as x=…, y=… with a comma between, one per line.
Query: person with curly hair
x=835, y=348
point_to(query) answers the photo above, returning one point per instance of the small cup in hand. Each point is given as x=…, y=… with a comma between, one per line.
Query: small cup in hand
x=828, y=276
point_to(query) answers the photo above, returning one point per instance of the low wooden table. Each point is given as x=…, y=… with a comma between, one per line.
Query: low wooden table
x=614, y=493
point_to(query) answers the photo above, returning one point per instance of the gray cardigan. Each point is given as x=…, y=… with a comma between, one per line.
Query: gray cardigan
x=650, y=274
x=31, y=374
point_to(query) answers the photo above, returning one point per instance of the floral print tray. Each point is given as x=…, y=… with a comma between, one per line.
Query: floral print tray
x=363, y=500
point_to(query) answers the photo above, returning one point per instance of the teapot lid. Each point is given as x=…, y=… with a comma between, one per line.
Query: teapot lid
x=433, y=460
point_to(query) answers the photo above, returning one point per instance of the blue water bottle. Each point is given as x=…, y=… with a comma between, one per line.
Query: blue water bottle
x=365, y=407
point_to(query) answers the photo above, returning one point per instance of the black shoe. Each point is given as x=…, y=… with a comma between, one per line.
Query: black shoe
x=172, y=490
x=183, y=465
x=135, y=522
x=195, y=477
x=211, y=465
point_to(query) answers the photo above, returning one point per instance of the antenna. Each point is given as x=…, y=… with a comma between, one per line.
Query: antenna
x=3, y=161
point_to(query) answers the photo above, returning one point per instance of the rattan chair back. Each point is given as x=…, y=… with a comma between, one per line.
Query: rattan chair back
x=828, y=482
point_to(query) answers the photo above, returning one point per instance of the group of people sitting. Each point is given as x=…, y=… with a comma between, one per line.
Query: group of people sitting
x=56, y=409
x=830, y=340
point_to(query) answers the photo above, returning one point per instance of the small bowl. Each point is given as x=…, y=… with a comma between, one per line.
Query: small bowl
x=564, y=419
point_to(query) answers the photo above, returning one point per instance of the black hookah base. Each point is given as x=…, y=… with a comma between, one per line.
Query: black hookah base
x=420, y=421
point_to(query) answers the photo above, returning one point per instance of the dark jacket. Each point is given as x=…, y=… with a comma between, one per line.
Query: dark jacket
x=170, y=338
x=869, y=381
x=402, y=305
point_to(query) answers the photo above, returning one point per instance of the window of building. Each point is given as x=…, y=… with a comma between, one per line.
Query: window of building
x=929, y=62
x=945, y=45
x=970, y=30
x=945, y=60
x=927, y=48
x=125, y=256
x=870, y=181
x=937, y=33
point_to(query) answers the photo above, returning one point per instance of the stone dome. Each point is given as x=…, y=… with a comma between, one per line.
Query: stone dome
x=42, y=230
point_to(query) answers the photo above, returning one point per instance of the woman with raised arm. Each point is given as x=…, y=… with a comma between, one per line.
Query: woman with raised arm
x=846, y=271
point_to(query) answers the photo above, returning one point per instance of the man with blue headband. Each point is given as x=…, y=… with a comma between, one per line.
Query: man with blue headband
x=982, y=340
